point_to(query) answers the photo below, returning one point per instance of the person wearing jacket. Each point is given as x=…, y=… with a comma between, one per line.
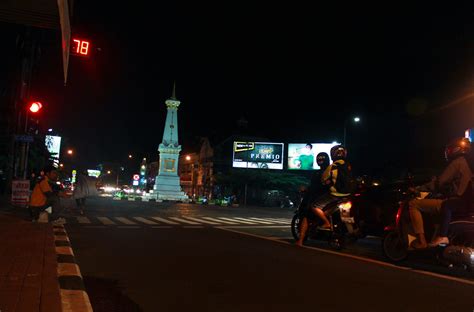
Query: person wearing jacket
x=457, y=176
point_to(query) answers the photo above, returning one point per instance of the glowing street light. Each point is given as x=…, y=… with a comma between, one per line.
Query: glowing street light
x=109, y=172
x=188, y=157
x=130, y=156
x=70, y=152
x=356, y=120
x=61, y=165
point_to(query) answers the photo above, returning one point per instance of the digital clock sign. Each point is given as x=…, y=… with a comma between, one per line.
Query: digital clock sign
x=80, y=47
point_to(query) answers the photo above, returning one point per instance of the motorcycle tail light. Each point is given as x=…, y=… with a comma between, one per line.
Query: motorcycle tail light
x=397, y=218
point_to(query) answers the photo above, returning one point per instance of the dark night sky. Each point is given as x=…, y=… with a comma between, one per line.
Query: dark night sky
x=293, y=71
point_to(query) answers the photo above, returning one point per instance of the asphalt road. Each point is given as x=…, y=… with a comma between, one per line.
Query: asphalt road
x=250, y=265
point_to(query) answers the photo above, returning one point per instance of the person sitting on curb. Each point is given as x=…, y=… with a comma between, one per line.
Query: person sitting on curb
x=43, y=197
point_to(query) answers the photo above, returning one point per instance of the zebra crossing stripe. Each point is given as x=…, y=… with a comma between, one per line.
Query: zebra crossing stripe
x=83, y=220
x=238, y=221
x=202, y=221
x=184, y=221
x=162, y=220
x=261, y=221
x=145, y=220
x=220, y=221
x=106, y=221
x=124, y=220
x=273, y=221
x=283, y=221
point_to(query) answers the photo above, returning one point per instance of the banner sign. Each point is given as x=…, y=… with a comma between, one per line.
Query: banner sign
x=303, y=156
x=20, y=192
x=261, y=155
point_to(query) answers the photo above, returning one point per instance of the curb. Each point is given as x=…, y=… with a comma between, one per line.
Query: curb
x=74, y=297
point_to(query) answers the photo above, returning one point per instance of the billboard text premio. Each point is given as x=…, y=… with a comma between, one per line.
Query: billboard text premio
x=258, y=155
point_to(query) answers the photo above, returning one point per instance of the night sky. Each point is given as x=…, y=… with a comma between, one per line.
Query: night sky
x=295, y=72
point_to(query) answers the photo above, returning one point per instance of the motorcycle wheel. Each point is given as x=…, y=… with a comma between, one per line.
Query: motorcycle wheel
x=295, y=228
x=394, y=248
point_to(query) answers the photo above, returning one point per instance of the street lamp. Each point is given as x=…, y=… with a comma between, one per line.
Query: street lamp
x=70, y=152
x=130, y=156
x=355, y=120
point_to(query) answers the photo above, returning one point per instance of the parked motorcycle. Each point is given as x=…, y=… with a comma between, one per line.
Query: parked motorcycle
x=398, y=237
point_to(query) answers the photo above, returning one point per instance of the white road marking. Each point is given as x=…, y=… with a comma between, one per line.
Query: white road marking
x=258, y=226
x=124, y=220
x=83, y=220
x=253, y=221
x=220, y=221
x=146, y=221
x=238, y=221
x=106, y=221
x=377, y=262
x=164, y=220
x=285, y=221
x=201, y=220
x=263, y=221
x=184, y=221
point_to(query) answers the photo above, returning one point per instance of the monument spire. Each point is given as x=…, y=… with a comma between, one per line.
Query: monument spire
x=173, y=95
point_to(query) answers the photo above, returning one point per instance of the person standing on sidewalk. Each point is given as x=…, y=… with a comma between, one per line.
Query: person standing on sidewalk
x=81, y=191
x=43, y=197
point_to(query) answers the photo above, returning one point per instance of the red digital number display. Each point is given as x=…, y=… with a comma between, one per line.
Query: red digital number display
x=80, y=47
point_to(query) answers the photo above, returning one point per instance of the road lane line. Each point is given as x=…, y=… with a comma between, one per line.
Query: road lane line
x=238, y=221
x=106, y=221
x=125, y=220
x=202, y=220
x=145, y=220
x=220, y=221
x=83, y=220
x=162, y=220
x=184, y=221
x=377, y=262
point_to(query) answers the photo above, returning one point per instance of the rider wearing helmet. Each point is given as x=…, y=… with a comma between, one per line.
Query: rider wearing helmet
x=315, y=189
x=458, y=175
x=334, y=181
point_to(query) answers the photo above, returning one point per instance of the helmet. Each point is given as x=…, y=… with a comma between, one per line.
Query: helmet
x=322, y=159
x=457, y=147
x=338, y=152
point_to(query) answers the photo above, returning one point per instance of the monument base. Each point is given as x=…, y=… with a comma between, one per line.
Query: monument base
x=168, y=188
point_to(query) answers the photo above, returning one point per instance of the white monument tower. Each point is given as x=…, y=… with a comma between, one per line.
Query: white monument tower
x=167, y=186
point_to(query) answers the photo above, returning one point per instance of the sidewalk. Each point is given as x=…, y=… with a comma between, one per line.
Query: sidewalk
x=28, y=266
x=38, y=270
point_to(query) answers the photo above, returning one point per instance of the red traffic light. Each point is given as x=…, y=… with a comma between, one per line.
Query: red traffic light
x=35, y=107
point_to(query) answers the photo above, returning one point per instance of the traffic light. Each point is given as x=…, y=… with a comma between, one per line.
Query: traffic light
x=35, y=107
x=32, y=123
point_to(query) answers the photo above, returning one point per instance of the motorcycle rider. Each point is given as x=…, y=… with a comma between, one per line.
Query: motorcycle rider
x=335, y=179
x=315, y=189
x=458, y=175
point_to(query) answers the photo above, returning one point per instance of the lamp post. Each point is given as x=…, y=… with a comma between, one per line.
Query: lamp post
x=354, y=119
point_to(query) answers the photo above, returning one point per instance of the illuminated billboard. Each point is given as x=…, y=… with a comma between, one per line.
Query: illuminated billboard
x=53, y=144
x=93, y=173
x=259, y=155
x=303, y=156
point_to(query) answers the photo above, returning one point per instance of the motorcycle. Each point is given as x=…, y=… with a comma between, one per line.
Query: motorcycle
x=399, y=236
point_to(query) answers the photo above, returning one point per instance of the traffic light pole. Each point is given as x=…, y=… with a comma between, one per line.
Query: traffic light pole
x=27, y=148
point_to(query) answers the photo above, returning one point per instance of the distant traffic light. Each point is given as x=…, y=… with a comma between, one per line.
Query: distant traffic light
x=35, y=107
